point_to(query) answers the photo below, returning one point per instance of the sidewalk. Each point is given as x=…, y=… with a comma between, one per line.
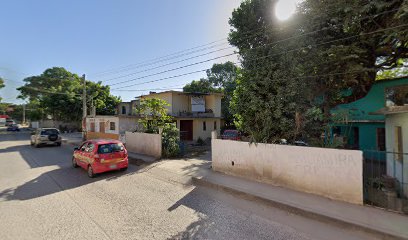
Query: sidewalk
x=380, y=222
x=384, y=224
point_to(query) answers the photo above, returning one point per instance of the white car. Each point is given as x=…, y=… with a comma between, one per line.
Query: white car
x=46, y=136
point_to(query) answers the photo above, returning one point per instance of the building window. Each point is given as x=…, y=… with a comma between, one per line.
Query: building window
x=204, y=126
x=215, y=125
x=398, y=143
x=112, y=126
x=123, y=110
x=381, y=139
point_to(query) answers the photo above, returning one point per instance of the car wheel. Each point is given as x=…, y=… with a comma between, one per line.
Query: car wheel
x=91, y=174
x=123, y=169
x=74, y=163
x=59, y=144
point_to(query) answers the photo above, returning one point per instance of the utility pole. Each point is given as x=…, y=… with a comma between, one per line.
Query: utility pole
x=24, y=115
x=84, y=110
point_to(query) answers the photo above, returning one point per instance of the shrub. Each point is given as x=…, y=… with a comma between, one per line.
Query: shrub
x=200, y=142
x=170, y=141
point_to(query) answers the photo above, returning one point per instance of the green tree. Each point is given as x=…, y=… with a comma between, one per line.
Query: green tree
x=155, y=117
x=1, y=85
x=295, y=71
x=200, y=86
x=58, y=92
x=221, y=78
x=154, y=114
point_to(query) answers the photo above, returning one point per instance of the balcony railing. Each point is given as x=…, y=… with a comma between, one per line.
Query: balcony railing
x=207, y=114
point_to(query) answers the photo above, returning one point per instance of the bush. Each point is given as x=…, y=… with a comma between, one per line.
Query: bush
x=170, y=141
x=200, y=142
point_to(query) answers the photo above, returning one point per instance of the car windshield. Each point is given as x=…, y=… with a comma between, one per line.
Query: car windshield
x=230, y=133
x=110, y=148
x=49, y=131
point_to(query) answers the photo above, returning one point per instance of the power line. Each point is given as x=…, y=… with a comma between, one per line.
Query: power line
x=172, y=63
x=174, y=69
x=193, y=64
x=158, y=58
x=126, y=68
x=263, y=57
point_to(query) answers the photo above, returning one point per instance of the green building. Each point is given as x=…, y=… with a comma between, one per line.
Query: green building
x=355, y=124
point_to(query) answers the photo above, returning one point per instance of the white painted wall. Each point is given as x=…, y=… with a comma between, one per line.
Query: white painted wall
x=332, y=173
x=144, y=143
x=105, y=120
x=397, y=169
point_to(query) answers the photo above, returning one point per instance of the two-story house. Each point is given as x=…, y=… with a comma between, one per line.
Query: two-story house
x=195, y=114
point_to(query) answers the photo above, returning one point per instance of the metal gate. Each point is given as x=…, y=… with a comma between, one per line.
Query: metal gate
x=386, y=180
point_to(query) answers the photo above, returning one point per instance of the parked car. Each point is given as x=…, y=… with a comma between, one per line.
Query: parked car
x=100, y=155
x=9, y=122
x=46, y=136
x=14, y=128
x=231, y=135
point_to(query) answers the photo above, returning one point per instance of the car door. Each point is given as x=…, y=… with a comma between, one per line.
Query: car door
x=89, y=155
x=80, y=155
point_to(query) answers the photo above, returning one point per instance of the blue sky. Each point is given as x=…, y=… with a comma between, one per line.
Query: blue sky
x=92, y=36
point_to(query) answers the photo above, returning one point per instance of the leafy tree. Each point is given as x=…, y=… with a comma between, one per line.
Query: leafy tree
x=221, y=78
x=154, y=116
x=200, y=86
x=400, y=71
x=294, y=72
x=58, y=92
x=1, y=85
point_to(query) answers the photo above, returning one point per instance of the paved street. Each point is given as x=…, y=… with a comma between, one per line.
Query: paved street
x=43, y=197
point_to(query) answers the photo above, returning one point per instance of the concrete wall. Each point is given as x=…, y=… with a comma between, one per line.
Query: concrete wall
x=128, y=124
x=58, y=124
x=144, y=143
x=214, y=102
x=98, y=135
x=166, y=96
x=199, y=132
x=332, y=173
x=395, y=168
x=198, y=127
x=106, y=120
x=181, y=103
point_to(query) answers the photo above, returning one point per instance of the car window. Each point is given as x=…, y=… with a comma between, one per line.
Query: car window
x=90, y=147
x=82, y=148
x=49, y=131
x=110, y=148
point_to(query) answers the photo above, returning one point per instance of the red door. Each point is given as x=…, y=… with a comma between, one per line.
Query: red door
x=186, y=130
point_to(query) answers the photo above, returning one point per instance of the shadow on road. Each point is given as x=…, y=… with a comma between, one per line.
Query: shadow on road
x=63, y=178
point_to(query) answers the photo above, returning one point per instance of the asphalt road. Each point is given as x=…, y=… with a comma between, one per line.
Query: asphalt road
x=43, y=197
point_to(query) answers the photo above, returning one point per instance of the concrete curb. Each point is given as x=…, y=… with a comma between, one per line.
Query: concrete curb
x=296, y=209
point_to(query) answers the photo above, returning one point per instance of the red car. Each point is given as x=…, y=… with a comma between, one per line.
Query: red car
x=101, y=155
x=231, y=135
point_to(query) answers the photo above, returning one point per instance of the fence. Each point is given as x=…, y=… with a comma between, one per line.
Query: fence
x=144, y=143
x=333, y=173
x=386, y=180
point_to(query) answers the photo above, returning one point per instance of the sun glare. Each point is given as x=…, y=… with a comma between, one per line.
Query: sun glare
x=285, y=9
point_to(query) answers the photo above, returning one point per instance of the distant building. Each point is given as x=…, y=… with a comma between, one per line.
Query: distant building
x=356, y=123
x=3, y=119
x=195, y=114
x=395, y=111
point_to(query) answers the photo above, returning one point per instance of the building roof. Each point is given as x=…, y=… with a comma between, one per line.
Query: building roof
x=391, y=110
x=183, y=93
x=363, y=108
